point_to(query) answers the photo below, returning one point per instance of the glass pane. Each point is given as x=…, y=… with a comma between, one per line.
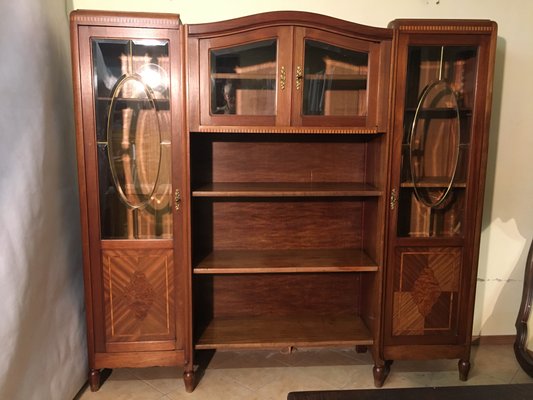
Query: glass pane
x=335, y=80
x=133, y=135
x=134, y=141
x=243, y=79
x=436, y=144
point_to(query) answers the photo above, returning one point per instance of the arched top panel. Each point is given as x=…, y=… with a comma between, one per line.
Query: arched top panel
x=293, y=18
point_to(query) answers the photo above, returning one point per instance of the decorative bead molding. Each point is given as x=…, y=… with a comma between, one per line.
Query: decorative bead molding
x=286, y=130
x=116, y=20
x=446, y=28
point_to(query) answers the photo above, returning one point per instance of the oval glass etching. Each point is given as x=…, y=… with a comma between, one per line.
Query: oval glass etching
x=434, y=144
x=134, y=141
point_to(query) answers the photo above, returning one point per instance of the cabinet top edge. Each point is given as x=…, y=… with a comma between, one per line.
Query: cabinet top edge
x=125, y=19
x=444, y=25
x=280, y=18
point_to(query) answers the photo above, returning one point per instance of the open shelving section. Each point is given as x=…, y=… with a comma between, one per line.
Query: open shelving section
x=286, y=238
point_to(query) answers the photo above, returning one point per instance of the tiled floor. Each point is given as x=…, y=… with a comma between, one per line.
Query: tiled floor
x=267, y=375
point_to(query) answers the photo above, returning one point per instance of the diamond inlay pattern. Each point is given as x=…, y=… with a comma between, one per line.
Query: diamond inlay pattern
x=138, y=294
x=426, y=287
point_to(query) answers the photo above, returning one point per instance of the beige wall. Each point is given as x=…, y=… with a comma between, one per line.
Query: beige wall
x=508, y=216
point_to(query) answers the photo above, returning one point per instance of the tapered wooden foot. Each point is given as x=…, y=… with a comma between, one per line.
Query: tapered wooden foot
x=190, y=382
x=94, y=379
x=464, y=369
x=380, y=373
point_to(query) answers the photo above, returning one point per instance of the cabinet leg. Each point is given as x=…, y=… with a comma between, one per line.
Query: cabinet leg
x=380, y=373
x=188, y=379
x=464, y=369
x=94, y=379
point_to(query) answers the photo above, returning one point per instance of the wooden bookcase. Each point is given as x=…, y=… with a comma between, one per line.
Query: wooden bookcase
x=288, y=202
x=304, y=178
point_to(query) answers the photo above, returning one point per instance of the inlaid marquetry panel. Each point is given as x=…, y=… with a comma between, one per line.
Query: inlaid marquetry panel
x=138, y=294
x=426, y=291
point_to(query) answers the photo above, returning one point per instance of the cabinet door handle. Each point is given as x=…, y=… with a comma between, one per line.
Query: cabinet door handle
x=299, y=77
x=393, y=199
x=177, y=199
x=282, y=78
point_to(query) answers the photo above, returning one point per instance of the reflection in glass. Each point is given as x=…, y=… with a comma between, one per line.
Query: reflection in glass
x=135, y=158
x=133, y=138
x=335, y=80
x=436, y=142
x=243, y=79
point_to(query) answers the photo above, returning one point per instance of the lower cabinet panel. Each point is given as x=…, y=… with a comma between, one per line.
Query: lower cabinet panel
x=426, y=292
x=139, y=298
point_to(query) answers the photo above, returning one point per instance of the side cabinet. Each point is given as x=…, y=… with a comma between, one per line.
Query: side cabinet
x=132, y=172
x=442, y=102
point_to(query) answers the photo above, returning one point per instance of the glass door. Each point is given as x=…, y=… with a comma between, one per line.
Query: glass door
x=244, y=78
x=133, y=138
x=132, y=163
x=336, y=80
x=436, y=140
x=434, y=148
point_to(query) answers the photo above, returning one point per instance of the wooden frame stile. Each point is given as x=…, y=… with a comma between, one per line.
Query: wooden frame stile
x=382, y=370
x=188, y=373
x=78, y=109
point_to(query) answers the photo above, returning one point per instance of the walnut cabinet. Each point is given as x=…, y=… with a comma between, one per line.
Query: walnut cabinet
x=280, y=180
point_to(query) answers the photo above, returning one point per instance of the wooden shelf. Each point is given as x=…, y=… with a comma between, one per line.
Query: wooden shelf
x=434, y=182
x=285, y=261
x=252, y=76
x=133, y=99
x=265, y=76
x=282, y=189
x=440, y=113
x=337, y=77
x=279, y=332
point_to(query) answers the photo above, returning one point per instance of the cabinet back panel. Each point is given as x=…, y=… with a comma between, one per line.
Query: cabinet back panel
x=277, y=224
x=276, y=295
x=278, y=159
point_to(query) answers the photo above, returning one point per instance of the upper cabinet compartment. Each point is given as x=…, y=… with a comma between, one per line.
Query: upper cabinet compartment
x=288, y=72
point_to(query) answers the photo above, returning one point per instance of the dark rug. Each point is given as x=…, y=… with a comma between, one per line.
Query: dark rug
x=487, y=392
